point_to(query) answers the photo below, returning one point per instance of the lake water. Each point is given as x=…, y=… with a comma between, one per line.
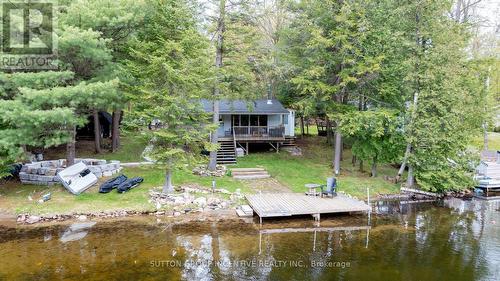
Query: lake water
x=450, y=240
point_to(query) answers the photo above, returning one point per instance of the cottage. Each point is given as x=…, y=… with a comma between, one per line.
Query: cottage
x=245, y=122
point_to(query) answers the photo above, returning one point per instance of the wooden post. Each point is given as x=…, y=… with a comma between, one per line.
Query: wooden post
x=277, y=147
x=370, y=210
x=314, y=242
x=367, y=237
x=247, y=147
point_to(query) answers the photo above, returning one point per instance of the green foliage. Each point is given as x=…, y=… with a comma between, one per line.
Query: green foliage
x=22, y=125
x=377, y=134
x=81, y=98
x=115, y=20
x=169, y=64
x=83, y=51
x=329, y=52
x=10, y=82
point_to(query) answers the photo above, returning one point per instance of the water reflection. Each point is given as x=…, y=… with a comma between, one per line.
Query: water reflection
x=446, y=240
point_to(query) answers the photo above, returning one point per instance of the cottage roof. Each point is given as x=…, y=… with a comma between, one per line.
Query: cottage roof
x=261, y=106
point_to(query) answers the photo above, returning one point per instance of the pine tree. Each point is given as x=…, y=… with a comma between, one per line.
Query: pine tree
x=170, y=66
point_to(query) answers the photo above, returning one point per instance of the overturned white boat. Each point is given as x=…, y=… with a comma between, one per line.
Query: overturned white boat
x=77, y=178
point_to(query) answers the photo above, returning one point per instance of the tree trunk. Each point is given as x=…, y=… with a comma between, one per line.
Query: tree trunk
x=354, y=160
x=374, y=167
x=167, y=186
x=403, y=164
x=361, y=166
x=410, y=181
x=212, y=164
x=338, y=148
x=307, y=126
x=97, y=131
x=302, y=125
x=485, y=137
x=71, y=147
x=221, y=28
x=115, y=142
x=329, y=137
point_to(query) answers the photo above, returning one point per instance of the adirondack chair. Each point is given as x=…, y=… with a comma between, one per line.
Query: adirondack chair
x=330, y=188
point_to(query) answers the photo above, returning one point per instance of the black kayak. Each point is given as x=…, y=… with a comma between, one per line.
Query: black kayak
x=112, y=184
x=129, y=184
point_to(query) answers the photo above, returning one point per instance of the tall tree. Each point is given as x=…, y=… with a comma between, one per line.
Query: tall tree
x=118, y=23
x=171, y=74
x=331, y=56
x=219, y=49
x=444, y=115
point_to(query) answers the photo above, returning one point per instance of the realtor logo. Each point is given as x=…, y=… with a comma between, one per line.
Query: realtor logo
x=27, y=36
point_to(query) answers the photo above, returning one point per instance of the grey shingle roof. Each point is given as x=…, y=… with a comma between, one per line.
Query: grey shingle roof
x=248, y=107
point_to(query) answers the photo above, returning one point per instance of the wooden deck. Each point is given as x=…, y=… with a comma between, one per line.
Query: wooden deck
x=289, y=204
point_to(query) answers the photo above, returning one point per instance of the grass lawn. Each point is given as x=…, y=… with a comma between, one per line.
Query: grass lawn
x=289, y=171
x=15, y=198
x=493, y=141
x=315, y=166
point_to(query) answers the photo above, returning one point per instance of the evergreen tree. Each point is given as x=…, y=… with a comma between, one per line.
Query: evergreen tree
x=170, y=66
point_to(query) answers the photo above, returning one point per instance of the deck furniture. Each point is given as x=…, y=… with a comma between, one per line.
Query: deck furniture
x=312, y=189
x=330, y=189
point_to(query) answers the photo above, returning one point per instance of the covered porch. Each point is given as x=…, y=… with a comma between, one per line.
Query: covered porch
x=252, y=127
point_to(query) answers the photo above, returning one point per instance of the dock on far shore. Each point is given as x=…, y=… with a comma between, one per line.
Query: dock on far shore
x=268, y=205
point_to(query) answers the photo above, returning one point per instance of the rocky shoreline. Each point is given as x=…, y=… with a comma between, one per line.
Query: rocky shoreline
x=187, y=200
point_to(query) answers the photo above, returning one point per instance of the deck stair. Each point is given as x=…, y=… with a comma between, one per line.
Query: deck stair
x=244, y=211
x=249, y=173
x=226, y=153
x=289, y=141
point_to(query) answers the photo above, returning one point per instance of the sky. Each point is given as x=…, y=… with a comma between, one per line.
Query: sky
x=489, y=10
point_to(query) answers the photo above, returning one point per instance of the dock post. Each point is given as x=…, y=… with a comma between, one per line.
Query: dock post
x=314, y=242
x=370, y=210
x=367, y=237
x=316, y=217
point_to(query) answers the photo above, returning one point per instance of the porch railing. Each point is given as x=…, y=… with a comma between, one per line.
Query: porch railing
x=259, y=131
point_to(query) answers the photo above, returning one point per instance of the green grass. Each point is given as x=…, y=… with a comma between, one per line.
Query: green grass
x=493, y=141
x=313, y=130
x=14, y=198
x=315, y=166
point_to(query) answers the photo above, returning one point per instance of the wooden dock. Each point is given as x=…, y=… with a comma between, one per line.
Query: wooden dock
x=268, y=205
